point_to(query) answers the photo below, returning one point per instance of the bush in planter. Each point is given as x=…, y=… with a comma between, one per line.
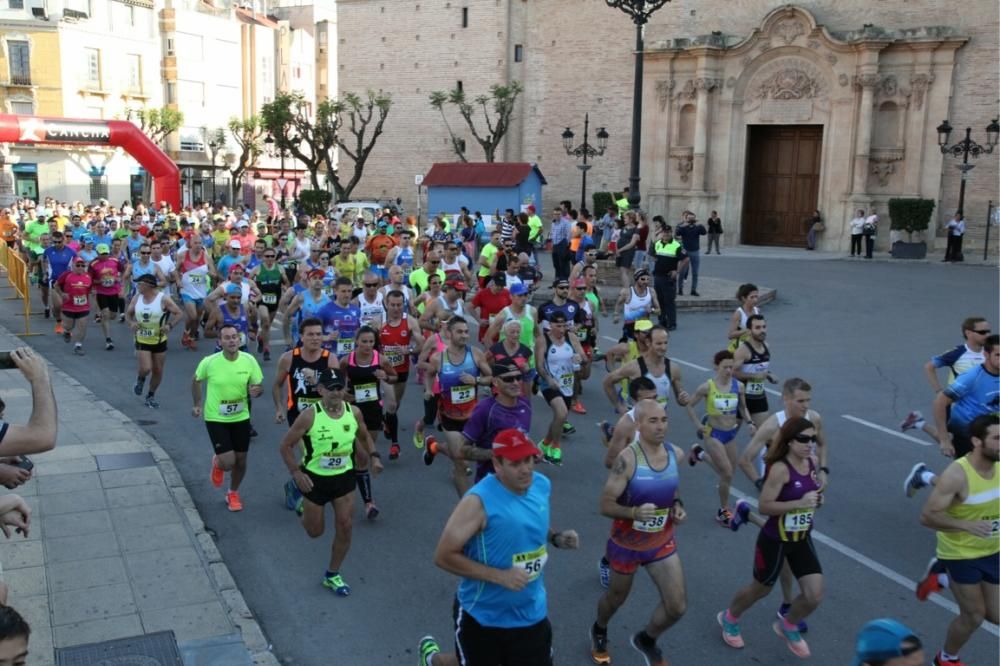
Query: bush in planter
x=314, y=202
x=602, y=201
x=910, y=215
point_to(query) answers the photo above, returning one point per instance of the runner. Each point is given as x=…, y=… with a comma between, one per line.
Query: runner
x=560, y=303
x=163, y=262
x=559, y=356
x=55, y=260
x=105, y=272
x=964, y=510
x=634, y=303
x=449, y=304
x=378, y=246
x=461, y=369
x=972, y=394
x=335, y=443
x=395, y=283
x=270, y=279
x=399, y=336
x=229, y=313
x=72, y=290
x=231, y=377
x=519, y=310
x=497, y=540
x=641, y=496
x=725, y=405
x=790, y=497
x=195, y=266
x=366, y=371
x=435, y=342
x=488, y=257
x=304, y=305
x=586, y=334
x=141, y=265
x=747, y=295
x=490, y=301
x=752, y=360
x=886, y=642
x=419, y=278
x=369, y=301
x=341, y=319
x=510, y=351
x=401, y=255
x=619, y=436
x=453, y=261
x=654, y=364
x=148, y=318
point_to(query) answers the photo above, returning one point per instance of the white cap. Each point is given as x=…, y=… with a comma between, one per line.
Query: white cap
x=236, y=244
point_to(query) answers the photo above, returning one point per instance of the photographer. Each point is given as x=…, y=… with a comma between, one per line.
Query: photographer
x=40, y=433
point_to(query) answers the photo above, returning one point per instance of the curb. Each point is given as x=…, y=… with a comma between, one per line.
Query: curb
x=258, y=647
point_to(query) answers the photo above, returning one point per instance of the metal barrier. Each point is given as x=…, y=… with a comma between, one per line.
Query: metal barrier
x=12, y=263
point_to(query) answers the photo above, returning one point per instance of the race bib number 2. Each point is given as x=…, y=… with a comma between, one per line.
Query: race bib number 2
x=365, y=392
x=532, y=562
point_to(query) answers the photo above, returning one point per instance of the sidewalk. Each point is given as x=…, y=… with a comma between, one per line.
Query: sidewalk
x=117, y=548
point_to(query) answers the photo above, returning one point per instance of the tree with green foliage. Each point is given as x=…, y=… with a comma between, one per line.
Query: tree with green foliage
x=248, y=135
x=311, y=138
x=157, y=124
x=497, y=109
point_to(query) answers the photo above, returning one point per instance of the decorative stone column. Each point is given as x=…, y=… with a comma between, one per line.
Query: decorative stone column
x=867, y=83
x=7, y=195
x=703, y=86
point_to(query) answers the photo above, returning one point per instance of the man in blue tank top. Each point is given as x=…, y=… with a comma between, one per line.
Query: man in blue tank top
x=497, y=540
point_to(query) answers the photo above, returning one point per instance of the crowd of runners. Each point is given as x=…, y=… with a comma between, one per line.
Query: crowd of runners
x=359, y=310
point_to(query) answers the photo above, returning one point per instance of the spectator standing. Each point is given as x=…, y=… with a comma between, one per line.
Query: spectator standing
x=560, y=235
x=642, y=229
x=628, y=238
x=606, y=226
x=689, y=233
x=870, y=230
x=507, y=225
x=714, y=232
x=857, y=228
x=956, y=230
x=814, y=225
x=534, y=227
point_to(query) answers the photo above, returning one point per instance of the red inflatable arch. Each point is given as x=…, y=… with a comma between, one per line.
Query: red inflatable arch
x=32, y=129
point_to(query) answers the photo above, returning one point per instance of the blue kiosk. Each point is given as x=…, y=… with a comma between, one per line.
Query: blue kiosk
x=482, y=186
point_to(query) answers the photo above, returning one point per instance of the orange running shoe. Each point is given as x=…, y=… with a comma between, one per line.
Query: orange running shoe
x=579, y=408
x=218, y=475
x=59, y=329
x=233, y=501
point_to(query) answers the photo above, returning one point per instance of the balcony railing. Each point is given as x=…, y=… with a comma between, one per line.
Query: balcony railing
x=20, y=79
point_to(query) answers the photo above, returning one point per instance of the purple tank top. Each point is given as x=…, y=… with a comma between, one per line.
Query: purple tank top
x=794, y=525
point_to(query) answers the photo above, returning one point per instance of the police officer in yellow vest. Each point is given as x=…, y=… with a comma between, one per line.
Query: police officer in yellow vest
x=334, y=442
x=670, y=257
x=623, y=202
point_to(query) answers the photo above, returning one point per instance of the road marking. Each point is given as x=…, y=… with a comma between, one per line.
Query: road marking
x=697, y=367
x=888, y=431
x=877, y=567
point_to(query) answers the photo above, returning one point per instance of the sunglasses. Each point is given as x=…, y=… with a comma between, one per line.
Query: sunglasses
x=145, y=253
x=269, y=256
x=510, y=379
x=371, y=284
x=435, y=263
x=984, y=332
x=805, y=439
x=562, y=287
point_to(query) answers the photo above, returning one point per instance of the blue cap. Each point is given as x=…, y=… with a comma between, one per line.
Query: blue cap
x=518, y=289
x=87, y=238
x=234, y=289
x=881, y=640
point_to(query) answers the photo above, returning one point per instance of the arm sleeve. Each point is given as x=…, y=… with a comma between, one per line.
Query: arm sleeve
x=200, y=371
x=949, y=358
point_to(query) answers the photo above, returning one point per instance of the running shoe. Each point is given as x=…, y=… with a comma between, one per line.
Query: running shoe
x=793, y=639
x=568, y=428
x=267, y=354
x=139, y=383
x=97, y=319
x=59, y=328
x=418, y=439
x=233, y=501
x=253, y=432
x=599, y=646
x=604, y=569
x=48, y=313
x=371, y=511
x=914, y=480
x=218, y=474
x=694, y=456
x=66, y=336
x=579, y=408
x=724, y=517
x=427, y=648
x=109, y=345
x=78, y=349
x=607, y=431
x=152, y=402
x=913, y=420
x=121, y=318
x=186, y=339
x=651, y=653
x=741, y=516
x=337, y=584
x=931, y=582
x=730, y=631
x=430, y=451
x=292, y=494
x=260, y=346
x=554, y=455
x=393, y=451
x=783, y=611
x=941, y=661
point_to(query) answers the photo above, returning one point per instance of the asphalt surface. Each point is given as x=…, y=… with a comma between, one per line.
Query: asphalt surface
x=858, y=331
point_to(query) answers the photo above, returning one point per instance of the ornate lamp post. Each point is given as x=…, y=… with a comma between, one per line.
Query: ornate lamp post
x=585, y=150
x=639, y=11
x=967, y=147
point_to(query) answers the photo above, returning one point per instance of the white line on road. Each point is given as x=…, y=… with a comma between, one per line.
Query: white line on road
x=878, y=568
x=887, y=431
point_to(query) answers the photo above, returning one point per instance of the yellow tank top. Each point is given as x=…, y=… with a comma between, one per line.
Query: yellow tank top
x=982, y=503
x=328, y=445
x=633, y=353
x=722, y=403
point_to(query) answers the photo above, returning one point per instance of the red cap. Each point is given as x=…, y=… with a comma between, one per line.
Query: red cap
x=579, y=282
x=237, y=267
x=531, y=207
x=316, y=272
x=513, y=444
x=457, y=284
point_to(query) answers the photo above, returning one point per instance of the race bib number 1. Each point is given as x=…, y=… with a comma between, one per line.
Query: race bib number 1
x=532, y=562
x=654, y=524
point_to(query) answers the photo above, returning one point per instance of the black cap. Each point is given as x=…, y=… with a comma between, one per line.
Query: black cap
x=330, y=379
x=146, y=278
x=502, y=368
x=499, y=279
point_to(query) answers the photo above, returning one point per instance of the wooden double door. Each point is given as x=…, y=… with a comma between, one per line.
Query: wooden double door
x=782, y=183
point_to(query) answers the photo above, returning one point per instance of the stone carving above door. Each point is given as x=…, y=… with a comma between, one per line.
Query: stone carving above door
x=785, y=90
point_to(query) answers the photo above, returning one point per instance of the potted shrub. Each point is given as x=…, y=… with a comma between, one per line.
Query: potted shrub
x=908, y=217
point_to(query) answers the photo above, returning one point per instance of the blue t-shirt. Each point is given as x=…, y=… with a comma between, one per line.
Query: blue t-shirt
x=58, y=260
x=586, y=241
x=689, y=236
x=516, y=534
x=343, y=323
x=974, y=393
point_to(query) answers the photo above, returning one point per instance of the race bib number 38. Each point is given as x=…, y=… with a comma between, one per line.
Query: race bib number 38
x=532, y=561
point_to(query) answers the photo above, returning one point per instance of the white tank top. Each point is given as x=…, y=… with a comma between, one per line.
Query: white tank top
x=637, y=306
x=457, y=311
x=194, y=281
x=370, y=311
x=559, y=361
x=744, y=316
x=149, y=316
x=244, y=285
x=456, y=266
x=300, y=250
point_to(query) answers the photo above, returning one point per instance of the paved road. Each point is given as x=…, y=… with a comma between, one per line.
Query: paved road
x=859, y=332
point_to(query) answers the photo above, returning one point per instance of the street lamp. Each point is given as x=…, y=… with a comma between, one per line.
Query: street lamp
x=213, y=148
x=639, y=11
x=967, y=147
x=585, y=150
x=281, y=151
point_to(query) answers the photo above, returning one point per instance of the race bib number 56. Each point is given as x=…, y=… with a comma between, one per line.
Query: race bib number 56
x=532, y=562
